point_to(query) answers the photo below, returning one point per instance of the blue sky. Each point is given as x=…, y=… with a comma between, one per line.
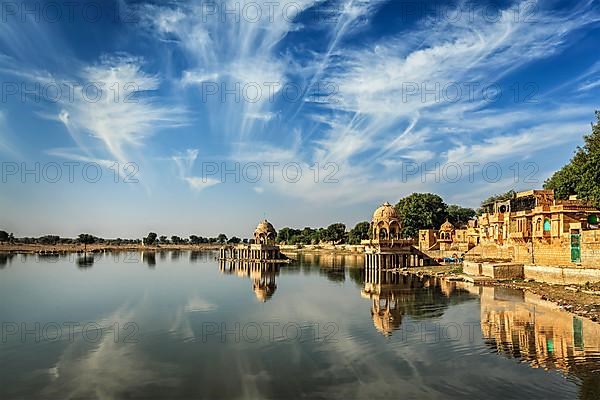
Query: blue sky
x=382, y=98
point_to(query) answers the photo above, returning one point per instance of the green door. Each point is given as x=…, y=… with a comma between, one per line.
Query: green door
x=575, y=247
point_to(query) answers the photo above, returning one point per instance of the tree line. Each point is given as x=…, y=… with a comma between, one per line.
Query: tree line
x=417, y=211
x=84, y=238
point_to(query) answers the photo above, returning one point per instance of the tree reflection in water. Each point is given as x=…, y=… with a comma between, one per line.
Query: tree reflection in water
x=85, y=262
x=149, y=257
x=5, y=259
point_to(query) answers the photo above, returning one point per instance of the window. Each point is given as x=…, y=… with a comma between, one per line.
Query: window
x=547, y=225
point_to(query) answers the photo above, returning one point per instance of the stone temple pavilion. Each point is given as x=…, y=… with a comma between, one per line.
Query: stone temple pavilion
x=386, y=249
x=263, y=249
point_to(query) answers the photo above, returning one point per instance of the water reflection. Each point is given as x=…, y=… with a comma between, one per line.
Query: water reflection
x=262, y=275
x=200, y=256
x=394, y=295
x=149, y=257
x=5, y=259
x=520, y=325
x=87, y=261
x=177, y=308
x=336, y=261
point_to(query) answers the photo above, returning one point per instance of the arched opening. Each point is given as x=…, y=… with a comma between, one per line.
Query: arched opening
x=383, y=234
x=392, y=232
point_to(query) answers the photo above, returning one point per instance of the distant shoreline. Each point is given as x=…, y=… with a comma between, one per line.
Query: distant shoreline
x=99, y=247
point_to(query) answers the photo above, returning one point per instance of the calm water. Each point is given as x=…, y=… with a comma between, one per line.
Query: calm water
x=179, y=325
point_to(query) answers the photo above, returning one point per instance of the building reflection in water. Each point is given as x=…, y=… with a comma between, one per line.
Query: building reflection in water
x=262, y=275
x=335, y=261
x=395, y=295
x=520, y=325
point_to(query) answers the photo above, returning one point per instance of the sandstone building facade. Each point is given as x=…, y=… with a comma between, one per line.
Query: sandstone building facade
x=536, y=228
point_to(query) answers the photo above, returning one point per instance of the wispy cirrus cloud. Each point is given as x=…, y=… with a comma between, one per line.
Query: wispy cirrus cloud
x=185, y=164
x=122, y=112
x=383, y=86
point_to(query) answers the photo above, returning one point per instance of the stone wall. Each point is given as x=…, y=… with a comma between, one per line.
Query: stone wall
x=590, y=249
x=472, y=268
x=562, y=275
x=502, y=271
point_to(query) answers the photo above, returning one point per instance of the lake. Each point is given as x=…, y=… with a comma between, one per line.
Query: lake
x=183, y=325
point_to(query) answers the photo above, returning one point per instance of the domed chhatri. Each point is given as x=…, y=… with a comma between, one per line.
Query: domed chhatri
x=386, y=249
x=263, y=250
x=386, y=224
x=265, y=233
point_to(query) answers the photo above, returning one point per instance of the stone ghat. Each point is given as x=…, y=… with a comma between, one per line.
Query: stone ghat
x=496, y=270
x=548, y=274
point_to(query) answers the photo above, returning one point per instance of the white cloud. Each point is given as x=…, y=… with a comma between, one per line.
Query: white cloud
x=185, y=164
x=519, y=145
x=124, y=114
x=376, y=83
x=198, y=183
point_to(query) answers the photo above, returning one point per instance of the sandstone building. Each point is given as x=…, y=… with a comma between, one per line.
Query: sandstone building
x=535, y=228
x=263, y=249
x=386, y=249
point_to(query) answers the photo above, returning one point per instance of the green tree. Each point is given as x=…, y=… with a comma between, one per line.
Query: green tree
x=581, y=176
x=222, y=238
x=163, y=239
x=359, y=232
x=86, y=239
x=336, y=233
x=3, y=236
x=194, y=239
x=176, y=239
x=234, y=240
x=459, y=216
x=49, y=239
x=150, y=239
x=289, y=236
x=421, y=211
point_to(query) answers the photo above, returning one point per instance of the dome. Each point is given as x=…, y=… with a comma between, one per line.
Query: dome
x=447, y=226
x=386, y=213
x=386, y=223
x=264, y=292
x=265, y=233
x=265, y=227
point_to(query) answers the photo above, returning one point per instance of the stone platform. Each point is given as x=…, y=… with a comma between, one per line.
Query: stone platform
x=495, y=270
